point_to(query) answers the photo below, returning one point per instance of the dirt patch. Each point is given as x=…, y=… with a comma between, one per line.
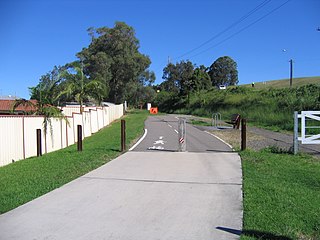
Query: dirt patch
x=258, y=139
x=233, y=137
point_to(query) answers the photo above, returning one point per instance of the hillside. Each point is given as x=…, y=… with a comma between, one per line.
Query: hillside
x=284, y=83
x=269, y=105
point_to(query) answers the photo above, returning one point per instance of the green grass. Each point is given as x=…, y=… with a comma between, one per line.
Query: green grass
x=200, y=122
x=284, y=83
x=268, y=108
x=281, y=196
x=28, y=179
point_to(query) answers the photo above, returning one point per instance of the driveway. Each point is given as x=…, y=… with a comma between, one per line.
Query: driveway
x=142, y=195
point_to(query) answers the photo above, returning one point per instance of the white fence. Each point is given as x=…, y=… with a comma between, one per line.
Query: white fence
x=18, y=133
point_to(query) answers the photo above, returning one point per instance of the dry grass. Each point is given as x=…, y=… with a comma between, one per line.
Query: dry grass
x=284, y=83
x=233, y=137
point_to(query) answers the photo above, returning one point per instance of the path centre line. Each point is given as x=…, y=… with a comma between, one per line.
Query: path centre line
x=140, y=140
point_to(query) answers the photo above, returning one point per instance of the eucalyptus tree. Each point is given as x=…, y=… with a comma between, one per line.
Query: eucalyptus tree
x=201, y=79
x=224, y=71
x=113, y=57
x=179, y=77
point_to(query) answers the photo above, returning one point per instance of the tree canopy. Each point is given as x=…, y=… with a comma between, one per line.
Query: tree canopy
x=111, y=68
x=184, y=77
x=113, y=58
x=224, y=72
x=201, y=79
x=178, y=77
x=184, y=81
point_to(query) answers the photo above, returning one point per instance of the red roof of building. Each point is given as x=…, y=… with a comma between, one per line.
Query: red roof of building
x=6, y=105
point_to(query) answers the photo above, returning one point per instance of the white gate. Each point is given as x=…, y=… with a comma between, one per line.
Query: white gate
x=310, y=120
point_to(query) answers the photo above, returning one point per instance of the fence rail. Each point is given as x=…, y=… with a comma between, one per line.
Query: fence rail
x=18, y=133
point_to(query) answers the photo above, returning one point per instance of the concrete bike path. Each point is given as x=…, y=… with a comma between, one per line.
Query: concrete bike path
x=140, y=195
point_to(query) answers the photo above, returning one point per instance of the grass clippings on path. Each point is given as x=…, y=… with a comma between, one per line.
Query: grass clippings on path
x=28, y=179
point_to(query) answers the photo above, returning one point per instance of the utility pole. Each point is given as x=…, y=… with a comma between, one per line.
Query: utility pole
x=291, y=72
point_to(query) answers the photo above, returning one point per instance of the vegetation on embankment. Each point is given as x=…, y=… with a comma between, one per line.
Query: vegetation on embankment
x=284, y=83
x=269, y=108
x=281, y=196
x=28, y=179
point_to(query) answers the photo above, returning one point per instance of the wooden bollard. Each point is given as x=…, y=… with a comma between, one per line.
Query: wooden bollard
x=79, y=144
x=243, y=134
x=39, y=143
x=123, y=135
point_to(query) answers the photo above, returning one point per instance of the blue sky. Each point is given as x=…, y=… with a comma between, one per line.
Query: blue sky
x=38, y=34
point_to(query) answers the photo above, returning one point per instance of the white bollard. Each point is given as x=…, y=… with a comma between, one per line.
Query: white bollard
x=182, y=135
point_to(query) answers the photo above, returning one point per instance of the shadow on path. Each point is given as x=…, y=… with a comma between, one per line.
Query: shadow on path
x=256, y=234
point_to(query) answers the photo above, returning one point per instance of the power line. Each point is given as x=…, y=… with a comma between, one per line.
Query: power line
x=308, y=60
x=228, y=28
x=241, y=30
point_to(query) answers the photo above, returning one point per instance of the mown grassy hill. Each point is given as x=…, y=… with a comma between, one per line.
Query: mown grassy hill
x=284, y=83
x=269, y=105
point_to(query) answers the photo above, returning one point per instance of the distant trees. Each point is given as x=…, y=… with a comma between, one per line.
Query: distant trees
x=184, y=77
x=223, y=72
x=178, y=77
x=111, y=68
x=201, y=79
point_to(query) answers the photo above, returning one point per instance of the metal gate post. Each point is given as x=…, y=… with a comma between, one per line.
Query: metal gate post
x=295, y=134
x=182, y=135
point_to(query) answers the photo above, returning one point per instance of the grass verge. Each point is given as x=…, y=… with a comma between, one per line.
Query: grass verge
x=200, y=122
x=281, y=196
x=28, y=179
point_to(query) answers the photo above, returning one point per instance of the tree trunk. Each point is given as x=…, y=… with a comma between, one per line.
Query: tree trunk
x=81, y=107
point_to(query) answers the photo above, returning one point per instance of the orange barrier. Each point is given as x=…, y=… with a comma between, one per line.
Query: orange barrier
x=154, y=110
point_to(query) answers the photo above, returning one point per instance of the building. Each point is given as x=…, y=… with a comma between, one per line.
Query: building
x=6, y=107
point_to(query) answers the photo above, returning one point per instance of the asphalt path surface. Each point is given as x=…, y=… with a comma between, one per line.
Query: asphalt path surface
x=143, y=194
x=162, y=135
